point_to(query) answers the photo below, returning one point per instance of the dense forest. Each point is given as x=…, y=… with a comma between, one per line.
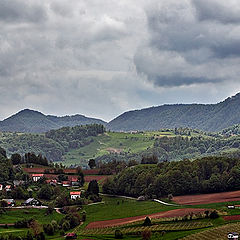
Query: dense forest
x=6, y=168
x=234, y=130
x=185, y=144
x=206, y=175
x=52, y=144
x=208, y=117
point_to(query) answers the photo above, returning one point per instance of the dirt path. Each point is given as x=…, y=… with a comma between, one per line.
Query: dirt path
x=123, y=221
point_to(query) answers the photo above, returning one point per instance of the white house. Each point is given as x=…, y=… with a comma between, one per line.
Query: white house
x=37, y=176
x=75, y=195
x=233, y=235
x=8, y=188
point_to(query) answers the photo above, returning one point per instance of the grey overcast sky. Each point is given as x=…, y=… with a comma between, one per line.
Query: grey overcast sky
x=103, y=57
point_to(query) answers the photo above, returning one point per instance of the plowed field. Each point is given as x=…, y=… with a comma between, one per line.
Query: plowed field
x=123, y=221
x=208, y=198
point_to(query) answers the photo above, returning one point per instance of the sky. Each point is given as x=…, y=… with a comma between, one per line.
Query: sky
x=101, y=58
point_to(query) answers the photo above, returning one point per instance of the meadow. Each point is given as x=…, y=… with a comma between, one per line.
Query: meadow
x=113, y=142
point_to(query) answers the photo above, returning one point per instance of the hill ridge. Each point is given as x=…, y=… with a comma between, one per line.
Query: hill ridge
x=207, y=117
x=32, y=121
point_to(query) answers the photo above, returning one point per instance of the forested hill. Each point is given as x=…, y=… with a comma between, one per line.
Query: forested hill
x=29, y=121
x=208, y=117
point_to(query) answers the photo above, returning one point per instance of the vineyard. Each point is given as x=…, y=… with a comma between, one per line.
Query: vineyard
x=219, y=233
x=154, y=228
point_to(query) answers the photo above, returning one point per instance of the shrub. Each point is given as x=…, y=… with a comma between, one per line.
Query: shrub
x=147, y=222
x=48, y=229
x=118, y=234
x=84, y=216
x=146, y=235
x=66, y=226
x=214, y=215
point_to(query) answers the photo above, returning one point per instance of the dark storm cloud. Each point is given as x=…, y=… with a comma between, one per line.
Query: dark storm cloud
x=103, y=57
x=227, y=12
x=183, y=49
x=21, y=11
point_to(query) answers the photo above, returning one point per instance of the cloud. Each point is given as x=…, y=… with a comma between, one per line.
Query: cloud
x=21, y=11
x=226, y=12
x=103, y=58
x=183, y=49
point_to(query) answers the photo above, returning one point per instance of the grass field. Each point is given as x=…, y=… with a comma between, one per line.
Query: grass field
x=113, y=141
x=120, y=208
x=13, y=215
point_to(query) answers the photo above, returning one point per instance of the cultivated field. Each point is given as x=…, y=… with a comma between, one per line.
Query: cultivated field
x=219, y=233
x=123, y=221
x=207, y=198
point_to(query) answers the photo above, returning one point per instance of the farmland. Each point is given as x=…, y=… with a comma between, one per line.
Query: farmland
x=219, y=233
x=199, y=199
x=13, y=215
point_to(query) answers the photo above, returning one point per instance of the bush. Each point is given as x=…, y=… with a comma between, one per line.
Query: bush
x=50, y=209
x=66, y=226
x=84, y=216
x=23, y=223
x=214, y=215
x=48, y=229
x=147, y=222
x=146, y=235
x=118, y=234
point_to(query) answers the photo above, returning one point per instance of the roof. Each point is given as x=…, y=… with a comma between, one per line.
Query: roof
x=75, y=193
x=37, y=175
x=29, y=200
x=9, y=200
x=73, y=178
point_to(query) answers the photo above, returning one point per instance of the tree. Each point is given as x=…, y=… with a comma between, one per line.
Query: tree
x=3, y=152
x=48, y=229
x=147, y=222
x=146, y=235
x=93, y=187
x=16, y=158
x=92, y=163
x=46, y=192
x=80, y=176
x=118, y=234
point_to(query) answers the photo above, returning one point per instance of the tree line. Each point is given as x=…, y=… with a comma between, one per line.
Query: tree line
x=206, y=175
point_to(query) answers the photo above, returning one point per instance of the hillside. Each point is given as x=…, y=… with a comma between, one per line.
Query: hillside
x=208, y=117
x=76, y=145
x=29, y=121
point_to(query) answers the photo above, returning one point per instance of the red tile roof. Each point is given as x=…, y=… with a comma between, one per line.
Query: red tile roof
x=75, y=193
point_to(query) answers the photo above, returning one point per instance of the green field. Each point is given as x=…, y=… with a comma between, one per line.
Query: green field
x=114, y=208
x=13, y=215
x=113, y=142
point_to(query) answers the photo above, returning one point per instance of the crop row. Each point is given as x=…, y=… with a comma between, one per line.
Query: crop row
x=154, y=228
x=219, y=233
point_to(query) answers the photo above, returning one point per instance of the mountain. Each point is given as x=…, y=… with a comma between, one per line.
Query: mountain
x=30, y=121
x=207, y=117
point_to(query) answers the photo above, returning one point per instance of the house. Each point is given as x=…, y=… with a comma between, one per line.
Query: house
x=1, y=187
x=32, y=202
x=10, y=202
x=8, y=188
x=66, y=183
x=75, y=195
x=52, y=182
x=73, y=180
x=17, y=183
x=233, y=235
x=37, y=176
